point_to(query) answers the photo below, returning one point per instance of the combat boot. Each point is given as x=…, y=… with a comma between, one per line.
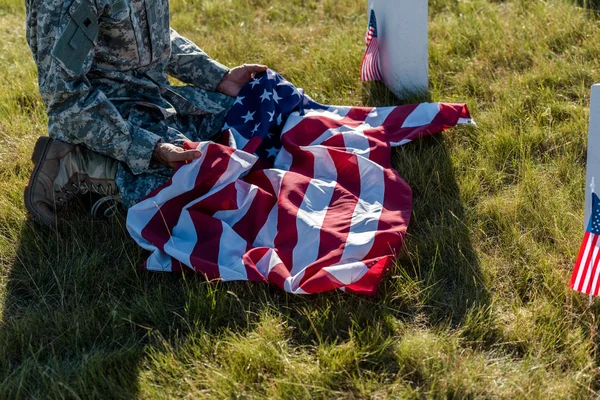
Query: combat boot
x=63, y=171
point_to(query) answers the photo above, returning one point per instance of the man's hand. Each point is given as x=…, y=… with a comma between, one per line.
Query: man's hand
x=171, y=155
x=238, y=77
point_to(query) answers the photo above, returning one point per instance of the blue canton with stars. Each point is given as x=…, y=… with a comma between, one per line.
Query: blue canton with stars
x=262, y=107
x=594, y=224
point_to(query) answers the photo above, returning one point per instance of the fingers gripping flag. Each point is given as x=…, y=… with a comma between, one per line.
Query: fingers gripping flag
x=369, y=70
x=586, y=274
x=327, y=211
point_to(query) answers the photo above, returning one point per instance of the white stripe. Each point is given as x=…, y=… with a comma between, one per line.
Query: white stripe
x=344, y=129
x=333, y=112
x=159, y=261
x=595, y=282
x=588, y=275
x=283, y=160
x=266, y=235
x=142, y=213
x=231, y=251
x=292, y=120
x=357, y=143
x=348, y=273
x=326, y=135
x=237, y=140
x=183, y=237
x=292, y=285
x=422, y=115
x=268, y=262
x=365, y=218
x=245, y=194
x=378, y=115
x=262, y=266
x=400, y=143
x=586, y=252
x=313, y=210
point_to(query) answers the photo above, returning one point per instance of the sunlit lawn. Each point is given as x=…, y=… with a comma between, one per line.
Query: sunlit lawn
x=478, y=303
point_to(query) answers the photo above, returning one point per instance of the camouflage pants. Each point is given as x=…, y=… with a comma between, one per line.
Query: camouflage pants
x=176, y=129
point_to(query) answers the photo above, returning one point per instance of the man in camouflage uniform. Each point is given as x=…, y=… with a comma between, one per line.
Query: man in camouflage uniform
x=101, y=68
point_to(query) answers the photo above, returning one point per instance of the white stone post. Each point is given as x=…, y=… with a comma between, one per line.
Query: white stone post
x=402, y=27
x=593, y=153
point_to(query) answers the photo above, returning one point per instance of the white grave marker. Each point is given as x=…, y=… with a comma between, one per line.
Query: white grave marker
x=402, y=28
x=593, y=153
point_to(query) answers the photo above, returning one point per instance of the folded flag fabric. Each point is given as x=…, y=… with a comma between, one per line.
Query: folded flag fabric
x=369, y=70
x=318, y=208
x=586, y=272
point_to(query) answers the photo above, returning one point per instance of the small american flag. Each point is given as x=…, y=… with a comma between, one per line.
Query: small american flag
x=369, y=70
x=586, y=274
x=303, y=197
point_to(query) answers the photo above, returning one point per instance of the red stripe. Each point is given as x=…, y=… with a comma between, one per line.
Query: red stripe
x=370, y=63
x=367, y=285
x=293, y=189
x=251, y=223
x=253, y=144
x=578, y=264
x=205, y=255
x=447, y=117
x=393, y=222
x=250, y=259
x=312, y=127
x=278, y=275
x=593, y=268
x=338, y=218
x=320, y=281
x=158, y=230
x=587, y=263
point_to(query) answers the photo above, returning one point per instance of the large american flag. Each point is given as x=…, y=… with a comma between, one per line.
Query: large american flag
x=369, y=70
x=585, y=278
x=303, y=196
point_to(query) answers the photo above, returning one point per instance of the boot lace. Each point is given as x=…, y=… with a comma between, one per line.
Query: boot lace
x=108, y=190
x=112, y=200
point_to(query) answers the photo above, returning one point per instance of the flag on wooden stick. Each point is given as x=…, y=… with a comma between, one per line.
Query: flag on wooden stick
x=369, y=70
x=585, y=278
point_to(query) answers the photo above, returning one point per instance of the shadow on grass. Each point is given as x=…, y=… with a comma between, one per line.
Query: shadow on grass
x=64, y=330
x=438, y=259
x=81, y=320
x=593, y=5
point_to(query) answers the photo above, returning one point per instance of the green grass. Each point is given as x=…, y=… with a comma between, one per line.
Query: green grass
x=477, y=305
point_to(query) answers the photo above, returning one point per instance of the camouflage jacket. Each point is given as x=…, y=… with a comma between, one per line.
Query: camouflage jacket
x=102, y=64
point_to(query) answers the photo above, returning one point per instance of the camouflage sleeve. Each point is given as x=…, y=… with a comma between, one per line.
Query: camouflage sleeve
x=62, y=35
x=191, y=65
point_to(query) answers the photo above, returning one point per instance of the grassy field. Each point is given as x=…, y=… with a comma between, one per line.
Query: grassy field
x=477, y=305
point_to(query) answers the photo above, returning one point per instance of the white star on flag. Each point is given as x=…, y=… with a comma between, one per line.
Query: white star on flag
x=238, y=100
x=276, y=97
x=255, y=128
x=285, y=224
x=271, y=115
x=255, y=82
x=272, y=152
x=265, y=96
x=249, y=117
